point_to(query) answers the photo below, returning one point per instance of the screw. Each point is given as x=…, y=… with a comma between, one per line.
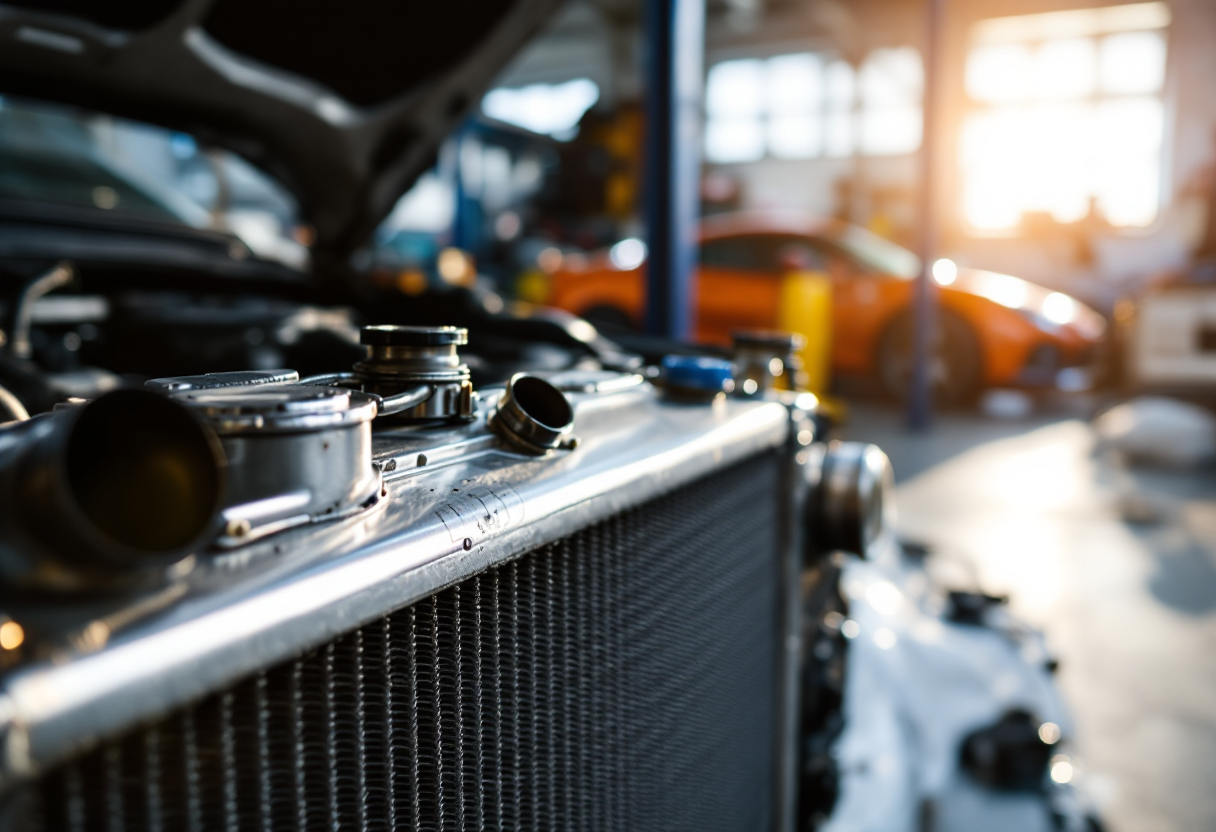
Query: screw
x=238, y=527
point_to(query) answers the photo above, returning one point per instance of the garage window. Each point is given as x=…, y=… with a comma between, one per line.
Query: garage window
x=1066, y=117
x=805, y=105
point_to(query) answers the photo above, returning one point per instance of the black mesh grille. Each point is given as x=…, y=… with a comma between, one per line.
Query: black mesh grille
x=622, y=678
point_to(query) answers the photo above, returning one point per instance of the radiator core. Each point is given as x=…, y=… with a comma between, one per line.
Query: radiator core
x=624, y=677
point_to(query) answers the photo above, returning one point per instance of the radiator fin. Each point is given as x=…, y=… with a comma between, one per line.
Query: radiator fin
x=621, y=678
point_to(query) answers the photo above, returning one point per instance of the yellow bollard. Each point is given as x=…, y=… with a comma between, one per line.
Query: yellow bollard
x=805, y=307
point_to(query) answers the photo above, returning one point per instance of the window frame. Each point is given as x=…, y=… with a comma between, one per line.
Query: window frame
x=825, y=111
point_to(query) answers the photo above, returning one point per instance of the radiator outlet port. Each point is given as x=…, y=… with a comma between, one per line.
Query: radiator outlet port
x=534, y=416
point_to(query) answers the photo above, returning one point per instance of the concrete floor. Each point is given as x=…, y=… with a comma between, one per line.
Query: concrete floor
x=1117, y=565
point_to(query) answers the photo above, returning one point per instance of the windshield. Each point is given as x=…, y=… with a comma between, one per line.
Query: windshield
x=879, y=255
x=55, y=155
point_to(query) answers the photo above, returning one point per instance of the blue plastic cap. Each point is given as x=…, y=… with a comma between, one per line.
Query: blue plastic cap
x=697, y=372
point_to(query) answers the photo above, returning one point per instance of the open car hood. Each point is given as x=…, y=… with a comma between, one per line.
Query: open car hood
x=344, y=103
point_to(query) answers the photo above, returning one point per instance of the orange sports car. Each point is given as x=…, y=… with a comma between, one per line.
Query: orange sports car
x=993, y=330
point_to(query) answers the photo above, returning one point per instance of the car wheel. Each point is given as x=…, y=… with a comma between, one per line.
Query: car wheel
x=955, y=364
x=609, y=319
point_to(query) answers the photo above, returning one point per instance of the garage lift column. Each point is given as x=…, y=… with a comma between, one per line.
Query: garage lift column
x=675, y=33
x=920, y=393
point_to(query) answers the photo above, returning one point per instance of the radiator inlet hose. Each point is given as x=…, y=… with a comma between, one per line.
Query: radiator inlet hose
x=107, y=492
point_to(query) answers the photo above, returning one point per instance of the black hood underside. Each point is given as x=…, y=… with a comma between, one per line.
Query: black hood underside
x=344, y=103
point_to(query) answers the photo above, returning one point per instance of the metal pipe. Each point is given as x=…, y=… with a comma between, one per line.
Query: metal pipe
x=11, y=408
x=330, y=380
x=97, y=495
x=676, y=35
x=23, y=310
x=920, y=394
x=400, y=402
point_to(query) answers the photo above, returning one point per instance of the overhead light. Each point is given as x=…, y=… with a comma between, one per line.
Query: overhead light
x=945, y=272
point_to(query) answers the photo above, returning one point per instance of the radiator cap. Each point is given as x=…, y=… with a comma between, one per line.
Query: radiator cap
x=407, y=360
x=413, y=336
x=697, y=375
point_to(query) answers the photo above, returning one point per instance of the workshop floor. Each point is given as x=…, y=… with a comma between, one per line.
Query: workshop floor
x=1117, y=565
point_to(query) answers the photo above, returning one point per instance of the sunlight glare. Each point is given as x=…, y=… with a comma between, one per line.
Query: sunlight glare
x=794, y=83
x=945, y=272
x=734, y=140
x=1065, y=69
x=795, y=136
x=1132, y=63
x=1005, y=290
x=884, y=597
x=735, y=89
x=999, y=73
x=1059, y=308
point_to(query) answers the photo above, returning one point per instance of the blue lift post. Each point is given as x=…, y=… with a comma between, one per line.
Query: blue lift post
x=920, y=394
x=466, y=216
x=676, y=43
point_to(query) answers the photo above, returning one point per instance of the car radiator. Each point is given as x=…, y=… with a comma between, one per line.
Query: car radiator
x=623, y=677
